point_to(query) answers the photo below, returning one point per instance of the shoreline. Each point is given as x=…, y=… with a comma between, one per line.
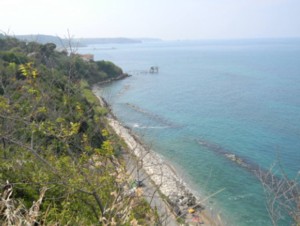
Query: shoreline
x=180, y=198
x=161, y=173
x=120, y=77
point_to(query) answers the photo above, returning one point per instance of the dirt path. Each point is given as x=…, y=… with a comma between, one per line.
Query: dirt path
x=150, y=191
x=158, y=178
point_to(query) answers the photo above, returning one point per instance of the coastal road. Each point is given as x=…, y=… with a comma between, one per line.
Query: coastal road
x=150, y=191
x=152, y=169
x=151, y=194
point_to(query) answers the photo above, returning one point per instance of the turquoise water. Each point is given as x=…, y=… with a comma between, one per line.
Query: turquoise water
x=212, y=98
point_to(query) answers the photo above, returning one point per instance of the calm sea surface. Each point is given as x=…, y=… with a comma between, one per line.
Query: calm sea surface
x=209, y=100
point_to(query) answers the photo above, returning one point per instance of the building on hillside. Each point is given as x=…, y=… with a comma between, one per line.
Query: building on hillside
x=86, y=57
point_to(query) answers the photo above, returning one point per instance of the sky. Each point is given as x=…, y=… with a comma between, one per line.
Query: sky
x=165, y=19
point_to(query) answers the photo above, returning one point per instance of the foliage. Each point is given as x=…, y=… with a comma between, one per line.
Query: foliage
x=109, y=68
x=55, y=148
x=92, y=99
x=13, y=57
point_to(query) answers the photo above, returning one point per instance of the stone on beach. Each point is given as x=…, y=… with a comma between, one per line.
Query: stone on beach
x=179, y=197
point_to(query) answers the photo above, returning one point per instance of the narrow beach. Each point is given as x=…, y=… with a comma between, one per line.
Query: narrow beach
x=178, y=198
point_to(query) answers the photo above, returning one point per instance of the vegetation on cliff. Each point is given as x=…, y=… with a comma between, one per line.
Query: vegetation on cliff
x=59, y=163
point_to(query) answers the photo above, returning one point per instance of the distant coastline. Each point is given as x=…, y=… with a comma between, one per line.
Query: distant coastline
x=82, y=42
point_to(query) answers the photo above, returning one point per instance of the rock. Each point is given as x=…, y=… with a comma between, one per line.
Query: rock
x=173, y=199
x=183, y=201
x=232, y=157
x=236, y=159
x=191, y=200
x=177, y=210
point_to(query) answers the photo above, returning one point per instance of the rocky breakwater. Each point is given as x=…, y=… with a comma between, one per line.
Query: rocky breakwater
x=179, y=197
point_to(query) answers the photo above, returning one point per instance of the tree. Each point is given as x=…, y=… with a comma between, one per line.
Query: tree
x=282, y=195
x=48, y=49
x=52, y=137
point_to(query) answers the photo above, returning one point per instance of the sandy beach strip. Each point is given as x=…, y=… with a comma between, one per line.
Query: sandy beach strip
x=165, y=178
x=163, y=175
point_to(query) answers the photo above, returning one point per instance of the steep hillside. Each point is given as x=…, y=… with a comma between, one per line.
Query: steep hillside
x=59, y=164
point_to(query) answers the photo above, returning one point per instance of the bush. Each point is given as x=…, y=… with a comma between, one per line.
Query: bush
x=109, y=68
x=14, y=57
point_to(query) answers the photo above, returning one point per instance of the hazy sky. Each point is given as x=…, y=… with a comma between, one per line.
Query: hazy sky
x=166, y=19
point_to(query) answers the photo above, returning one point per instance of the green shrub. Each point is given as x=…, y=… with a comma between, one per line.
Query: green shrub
x=109, y=68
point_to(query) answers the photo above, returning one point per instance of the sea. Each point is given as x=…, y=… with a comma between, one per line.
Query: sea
x=218, y=110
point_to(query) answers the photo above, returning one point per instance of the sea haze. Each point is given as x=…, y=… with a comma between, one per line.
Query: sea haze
x=209, y=101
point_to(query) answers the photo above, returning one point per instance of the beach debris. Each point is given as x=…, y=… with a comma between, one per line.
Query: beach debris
x=197, y=219
x=191, y=210
x=191, y=200
x=139, y=183
x=183, y=204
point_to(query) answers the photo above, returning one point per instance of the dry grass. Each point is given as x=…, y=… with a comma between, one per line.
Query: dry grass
x=13, y=212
